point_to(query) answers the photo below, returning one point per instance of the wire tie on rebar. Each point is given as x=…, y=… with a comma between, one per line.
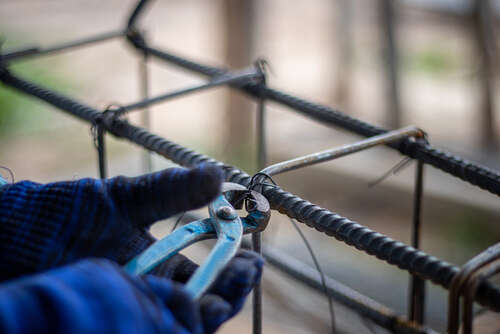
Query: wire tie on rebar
x=263, y=68
x=255, y=182
x=106, y=119
x=136, y=38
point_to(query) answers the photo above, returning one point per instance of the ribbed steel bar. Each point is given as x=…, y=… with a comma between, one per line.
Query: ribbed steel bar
x=473, y=173
x=361, y=304
x=41, y=51
x=354, y=300
x=330, y=223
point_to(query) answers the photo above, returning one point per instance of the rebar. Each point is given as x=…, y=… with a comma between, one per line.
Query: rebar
x=359, y=303
x=236, y=78
x=36, y=51
x=323, y=220
x=257, y=237
x=417, y=284
x=420, y=265
x=461, y=280
x=476, y=174
x=338, y=152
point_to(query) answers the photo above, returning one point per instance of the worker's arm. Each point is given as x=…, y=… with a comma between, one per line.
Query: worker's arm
x=96, y=296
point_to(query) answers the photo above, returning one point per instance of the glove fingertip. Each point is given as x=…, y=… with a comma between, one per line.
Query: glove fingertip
x=208, y=178
x=214, y=311
x=257, y=260
x=193, y=188
x=177, y=300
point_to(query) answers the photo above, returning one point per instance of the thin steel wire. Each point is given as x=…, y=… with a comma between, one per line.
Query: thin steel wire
x=330, y=223
x=474, y=173
x=320, y=271
x=353, y=234
x=240, y=78
x=37, y=51
x=254, y=183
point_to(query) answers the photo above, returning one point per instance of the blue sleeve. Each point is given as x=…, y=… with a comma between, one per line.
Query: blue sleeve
x=95, y=296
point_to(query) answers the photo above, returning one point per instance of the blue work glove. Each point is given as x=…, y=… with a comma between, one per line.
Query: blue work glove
x=228, y=292
x=97, y=296
x=47, y=225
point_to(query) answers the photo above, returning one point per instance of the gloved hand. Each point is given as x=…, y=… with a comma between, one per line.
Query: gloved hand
x=46, y=225
x=228, y=292
x=96, y=296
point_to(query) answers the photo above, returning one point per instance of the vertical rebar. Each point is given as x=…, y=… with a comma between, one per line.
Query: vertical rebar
x=388, y=20
x=147, y=163
x=101, y=151
x=417, y=285
x=261, y=135
x=257, y=291
x=257, y=237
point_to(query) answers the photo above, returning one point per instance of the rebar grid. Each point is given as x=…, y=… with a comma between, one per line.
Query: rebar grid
x=418, y=263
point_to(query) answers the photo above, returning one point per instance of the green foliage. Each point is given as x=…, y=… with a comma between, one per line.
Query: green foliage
x=18, y=111
x=433, y=61
x=473, y=228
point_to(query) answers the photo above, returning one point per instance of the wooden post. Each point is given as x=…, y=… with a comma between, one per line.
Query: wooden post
x=388, y=19
x=485, y=44
x=239, y=120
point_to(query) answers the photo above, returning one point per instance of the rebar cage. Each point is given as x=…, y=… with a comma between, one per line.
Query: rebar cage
x=469, y=281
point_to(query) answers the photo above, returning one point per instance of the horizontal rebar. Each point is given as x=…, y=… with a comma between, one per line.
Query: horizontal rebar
x=40, y=51
x=341, y=151
x=363, y=305
x=323, y=220
x=233, y=78
x=478, y=175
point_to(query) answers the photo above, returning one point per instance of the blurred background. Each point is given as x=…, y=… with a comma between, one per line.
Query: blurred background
x=429, y=63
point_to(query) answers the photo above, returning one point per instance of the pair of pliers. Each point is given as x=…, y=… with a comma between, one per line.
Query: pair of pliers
x=224, y=224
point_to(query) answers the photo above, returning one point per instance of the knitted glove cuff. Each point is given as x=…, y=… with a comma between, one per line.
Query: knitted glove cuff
x=24, y=246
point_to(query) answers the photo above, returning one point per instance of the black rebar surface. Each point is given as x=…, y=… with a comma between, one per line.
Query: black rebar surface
x=257, y=237
x=359, y=303
x=417, y=284
x=417, y=263
x=483, y=177
x=330, y=223
x=101, y=152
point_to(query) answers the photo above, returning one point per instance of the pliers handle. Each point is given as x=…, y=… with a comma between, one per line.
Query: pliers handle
x=223, y=224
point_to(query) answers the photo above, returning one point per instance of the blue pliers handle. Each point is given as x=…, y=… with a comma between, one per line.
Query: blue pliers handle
x=224, y=224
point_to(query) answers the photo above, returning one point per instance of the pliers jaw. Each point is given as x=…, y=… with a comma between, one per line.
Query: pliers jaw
x=257, y=206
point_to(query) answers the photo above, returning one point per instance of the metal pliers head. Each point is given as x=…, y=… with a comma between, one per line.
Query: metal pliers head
x=257, y=206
